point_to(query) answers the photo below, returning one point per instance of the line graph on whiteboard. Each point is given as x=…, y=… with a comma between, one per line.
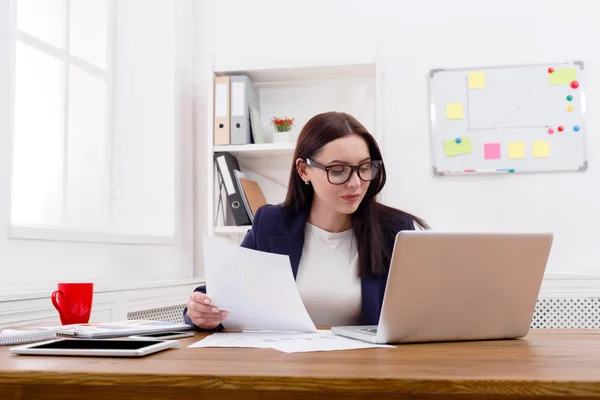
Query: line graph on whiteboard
x=498, y=125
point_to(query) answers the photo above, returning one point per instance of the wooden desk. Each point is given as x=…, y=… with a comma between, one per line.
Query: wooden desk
x=545, y=364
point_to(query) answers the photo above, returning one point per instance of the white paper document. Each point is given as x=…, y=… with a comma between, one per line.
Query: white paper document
x=256, y=288
x=241, y=339
x=323, y=340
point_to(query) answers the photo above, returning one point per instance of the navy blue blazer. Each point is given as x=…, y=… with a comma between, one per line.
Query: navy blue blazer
x=278, y=230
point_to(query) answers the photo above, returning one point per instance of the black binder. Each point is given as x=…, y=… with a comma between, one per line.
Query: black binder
x=226, y=164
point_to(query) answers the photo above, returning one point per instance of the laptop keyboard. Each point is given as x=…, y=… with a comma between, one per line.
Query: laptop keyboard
x=372, y=331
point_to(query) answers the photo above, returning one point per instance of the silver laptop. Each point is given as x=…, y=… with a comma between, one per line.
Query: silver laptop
x=459, y=286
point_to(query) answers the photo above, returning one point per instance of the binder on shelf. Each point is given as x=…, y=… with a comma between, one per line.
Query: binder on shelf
x=221, y=118
x=257, y=136
x=252, y=194
x=227, y=164
x=244, y=95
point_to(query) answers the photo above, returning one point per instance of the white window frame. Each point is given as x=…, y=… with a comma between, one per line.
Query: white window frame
x=61, y=233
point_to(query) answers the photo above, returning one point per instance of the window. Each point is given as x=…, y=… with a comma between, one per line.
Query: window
x=94, y=133
x=99, y=148
x=62, y=119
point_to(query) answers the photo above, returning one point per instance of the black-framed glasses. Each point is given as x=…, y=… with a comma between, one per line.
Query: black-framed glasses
x=338, y=174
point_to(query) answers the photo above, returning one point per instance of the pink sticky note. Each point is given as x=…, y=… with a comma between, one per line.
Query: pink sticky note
x=491, y=151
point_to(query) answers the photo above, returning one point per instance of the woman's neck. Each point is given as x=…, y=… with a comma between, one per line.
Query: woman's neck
x=327, y=219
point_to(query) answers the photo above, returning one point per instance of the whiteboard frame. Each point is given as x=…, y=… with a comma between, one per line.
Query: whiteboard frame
x=581, y=88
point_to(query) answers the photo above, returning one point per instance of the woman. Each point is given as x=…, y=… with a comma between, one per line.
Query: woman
x=338, y=237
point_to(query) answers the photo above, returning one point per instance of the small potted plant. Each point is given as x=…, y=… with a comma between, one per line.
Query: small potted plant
x=282, y=126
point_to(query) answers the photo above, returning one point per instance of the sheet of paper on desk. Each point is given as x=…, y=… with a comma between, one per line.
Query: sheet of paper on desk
x=323, y=340
x=241, y=339
x=256, y=288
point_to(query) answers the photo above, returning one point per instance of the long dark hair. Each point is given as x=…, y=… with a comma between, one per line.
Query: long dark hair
x=372, y=223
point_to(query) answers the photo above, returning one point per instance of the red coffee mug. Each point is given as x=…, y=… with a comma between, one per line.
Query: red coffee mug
x=73, y=301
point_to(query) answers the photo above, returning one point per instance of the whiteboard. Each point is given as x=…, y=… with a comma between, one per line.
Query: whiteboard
x=508, y=119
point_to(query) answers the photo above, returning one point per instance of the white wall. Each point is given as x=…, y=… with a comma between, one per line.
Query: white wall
x=434, y=34
x=145, y=109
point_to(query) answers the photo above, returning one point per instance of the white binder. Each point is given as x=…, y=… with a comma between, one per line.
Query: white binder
x=221, y=128
x=243, y=95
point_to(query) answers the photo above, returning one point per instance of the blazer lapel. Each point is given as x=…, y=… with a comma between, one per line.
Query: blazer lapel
x=292, y=239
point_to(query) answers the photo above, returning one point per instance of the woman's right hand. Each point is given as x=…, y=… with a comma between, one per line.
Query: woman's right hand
x=202, y=313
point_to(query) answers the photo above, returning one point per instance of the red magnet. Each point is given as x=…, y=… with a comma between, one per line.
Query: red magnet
x=560, y=129
x=574, y=84
x=550, y=70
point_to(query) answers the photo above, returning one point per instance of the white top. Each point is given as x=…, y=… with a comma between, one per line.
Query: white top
x=327, y=279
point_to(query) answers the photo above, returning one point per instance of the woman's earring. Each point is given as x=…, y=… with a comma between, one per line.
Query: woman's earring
x=306, y=182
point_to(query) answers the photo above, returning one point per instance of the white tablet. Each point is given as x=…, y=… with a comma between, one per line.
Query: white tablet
x=95, y=347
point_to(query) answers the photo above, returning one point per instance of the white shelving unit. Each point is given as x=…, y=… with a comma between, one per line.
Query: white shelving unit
x=232, y=230
x=258, y=150
x=300, y=91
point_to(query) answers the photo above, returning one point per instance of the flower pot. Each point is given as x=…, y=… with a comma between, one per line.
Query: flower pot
x=281, y=137
x=283, y=128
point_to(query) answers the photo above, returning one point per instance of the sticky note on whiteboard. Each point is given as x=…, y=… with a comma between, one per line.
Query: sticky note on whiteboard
x=476, y=80
x=452, y=148
x=541, y=149
x=491, y=151
x=516, y=150
x=454, y=110
x=562, y=76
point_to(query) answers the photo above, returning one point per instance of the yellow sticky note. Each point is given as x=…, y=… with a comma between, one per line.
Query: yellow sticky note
x=541, y=149
x=476, y=80
x=454, y=111
x=562, y=76
x=516, y=150
x=452, y=148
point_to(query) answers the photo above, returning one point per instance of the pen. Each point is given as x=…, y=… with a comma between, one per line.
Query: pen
x=67, y=332
x=480, y=171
